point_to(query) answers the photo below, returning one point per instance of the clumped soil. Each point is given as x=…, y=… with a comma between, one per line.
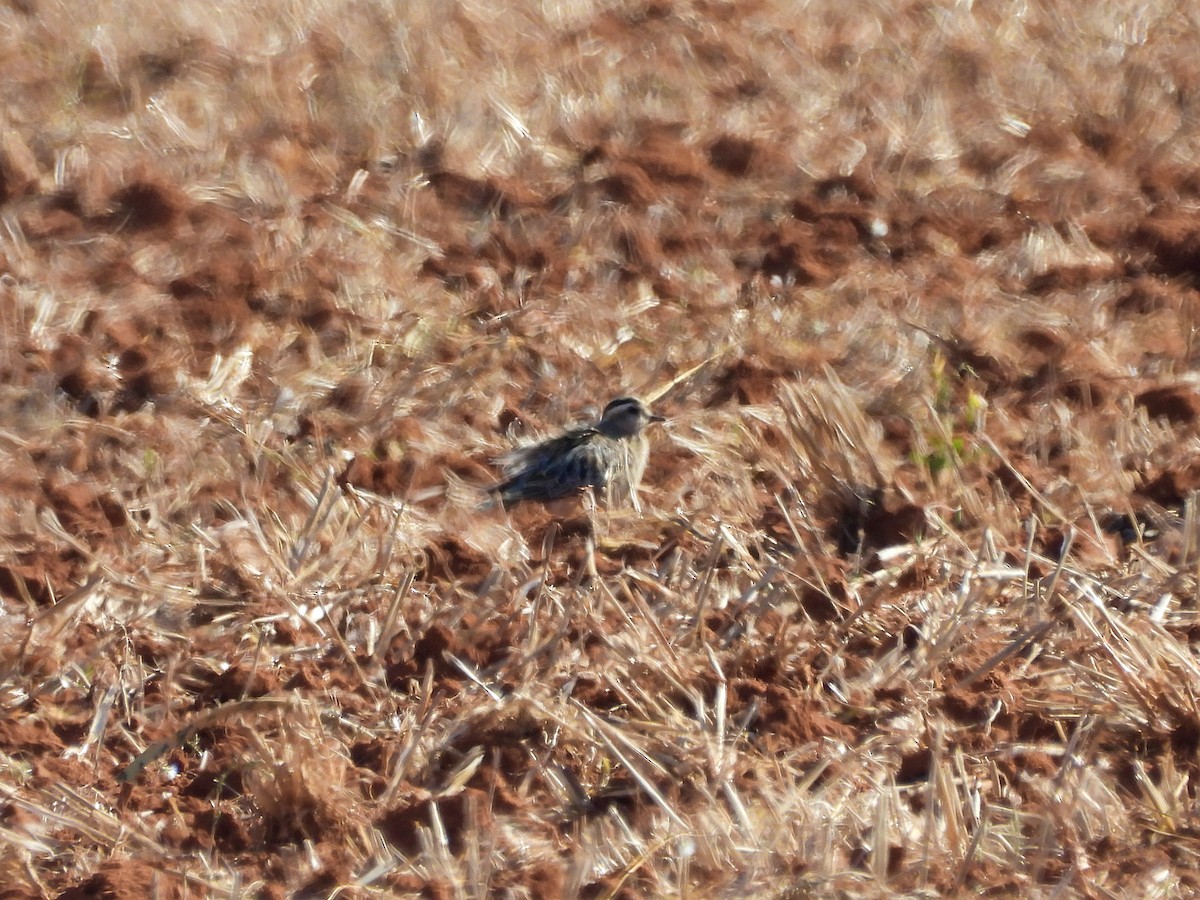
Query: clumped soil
x=911, y=604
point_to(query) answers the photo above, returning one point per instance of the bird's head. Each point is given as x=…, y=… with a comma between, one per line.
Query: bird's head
x=625, y=417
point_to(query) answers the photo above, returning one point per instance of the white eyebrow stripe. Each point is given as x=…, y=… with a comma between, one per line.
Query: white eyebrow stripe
x=622, y=403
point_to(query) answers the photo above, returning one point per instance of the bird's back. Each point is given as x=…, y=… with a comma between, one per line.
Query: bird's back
x=558, y=467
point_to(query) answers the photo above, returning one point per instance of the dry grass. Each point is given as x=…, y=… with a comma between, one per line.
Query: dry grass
x=912, y=604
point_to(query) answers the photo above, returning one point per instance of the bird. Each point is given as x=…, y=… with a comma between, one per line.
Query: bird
x=609, y=457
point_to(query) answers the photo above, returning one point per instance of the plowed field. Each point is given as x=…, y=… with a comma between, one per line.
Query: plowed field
x=911, y=605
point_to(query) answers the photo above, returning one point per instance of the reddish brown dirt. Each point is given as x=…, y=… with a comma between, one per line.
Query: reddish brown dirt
x=256, y=359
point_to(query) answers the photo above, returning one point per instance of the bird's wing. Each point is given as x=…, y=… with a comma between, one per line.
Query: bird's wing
x=553, y=469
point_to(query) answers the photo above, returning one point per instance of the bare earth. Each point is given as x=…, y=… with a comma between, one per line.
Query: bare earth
x=911, y=607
